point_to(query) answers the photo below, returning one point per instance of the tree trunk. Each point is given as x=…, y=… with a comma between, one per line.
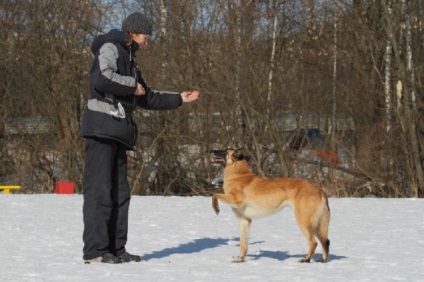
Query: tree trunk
x=239, y=119
x=334, y=116
x=272, y=62
x=387, y=75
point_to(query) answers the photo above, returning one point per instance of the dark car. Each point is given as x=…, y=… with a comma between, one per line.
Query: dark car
x=312, y=139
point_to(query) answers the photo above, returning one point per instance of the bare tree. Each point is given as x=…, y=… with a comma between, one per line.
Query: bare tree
x=387, y=75
x=45, y=66
x=268, y=71
x=406, y=111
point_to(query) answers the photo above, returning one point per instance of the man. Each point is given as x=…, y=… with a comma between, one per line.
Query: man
x=116, y=89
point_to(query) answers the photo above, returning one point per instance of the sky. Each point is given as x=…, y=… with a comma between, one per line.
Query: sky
x=182, y=239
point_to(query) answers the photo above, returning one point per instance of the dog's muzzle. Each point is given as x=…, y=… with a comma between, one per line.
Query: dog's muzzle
x=218, y=157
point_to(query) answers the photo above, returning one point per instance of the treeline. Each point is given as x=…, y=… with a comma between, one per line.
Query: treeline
x=268, y=72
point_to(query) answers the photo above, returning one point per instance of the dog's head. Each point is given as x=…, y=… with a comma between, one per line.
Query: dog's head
x=227, y=157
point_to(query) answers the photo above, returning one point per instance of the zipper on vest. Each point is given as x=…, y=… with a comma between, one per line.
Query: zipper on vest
x=132, y=63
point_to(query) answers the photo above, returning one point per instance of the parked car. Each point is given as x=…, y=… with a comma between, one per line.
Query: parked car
x=312, y=139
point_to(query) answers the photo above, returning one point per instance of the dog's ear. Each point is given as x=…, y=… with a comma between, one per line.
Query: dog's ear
x=240, y=154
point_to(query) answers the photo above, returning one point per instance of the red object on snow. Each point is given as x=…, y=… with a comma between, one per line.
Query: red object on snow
x=65, y=188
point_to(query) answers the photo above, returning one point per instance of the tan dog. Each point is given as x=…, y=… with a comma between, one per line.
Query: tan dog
x=251, y=197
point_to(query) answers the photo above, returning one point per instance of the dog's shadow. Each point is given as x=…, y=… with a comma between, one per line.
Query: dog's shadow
x=201, y=244
x=278, y=255
x=195, y=246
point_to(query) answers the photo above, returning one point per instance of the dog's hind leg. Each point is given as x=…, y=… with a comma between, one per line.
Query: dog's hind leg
x=244, y=228
x=311, y=241
x=307, y=227
x=325, y=250
x=322, y=234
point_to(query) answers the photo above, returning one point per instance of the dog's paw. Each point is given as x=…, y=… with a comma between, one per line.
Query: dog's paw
x=238, y=260
x=305, y=260
x=322, y=261
x=216, y=209
x=215, y=206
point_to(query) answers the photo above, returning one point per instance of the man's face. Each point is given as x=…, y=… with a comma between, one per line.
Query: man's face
x=141, y=39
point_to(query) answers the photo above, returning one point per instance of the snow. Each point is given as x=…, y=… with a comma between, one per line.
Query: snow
x=181, y=239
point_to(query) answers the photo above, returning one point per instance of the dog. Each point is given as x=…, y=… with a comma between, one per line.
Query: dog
x=252, y=197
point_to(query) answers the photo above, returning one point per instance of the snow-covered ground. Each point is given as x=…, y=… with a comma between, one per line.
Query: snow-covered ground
x=181, y=239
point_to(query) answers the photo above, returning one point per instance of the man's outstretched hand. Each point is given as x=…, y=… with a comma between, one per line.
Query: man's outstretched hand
x=190, y=96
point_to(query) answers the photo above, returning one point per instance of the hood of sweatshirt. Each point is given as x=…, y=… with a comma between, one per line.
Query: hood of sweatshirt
x=113, y=36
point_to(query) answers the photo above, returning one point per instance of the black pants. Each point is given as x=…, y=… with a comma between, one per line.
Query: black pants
x=106, y=198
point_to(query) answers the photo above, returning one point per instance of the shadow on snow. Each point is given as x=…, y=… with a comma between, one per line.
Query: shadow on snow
x=195, y=246
x=279, y=255
x=199, y=245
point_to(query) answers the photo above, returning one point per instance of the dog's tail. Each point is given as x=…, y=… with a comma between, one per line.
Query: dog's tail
x=326, y=202
x=323, y=218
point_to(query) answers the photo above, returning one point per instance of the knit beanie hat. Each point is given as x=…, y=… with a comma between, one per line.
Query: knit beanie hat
x=137, y=23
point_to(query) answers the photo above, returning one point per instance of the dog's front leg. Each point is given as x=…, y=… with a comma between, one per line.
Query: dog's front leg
x=215, y=204
x=229, y=199
x=244, y=228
